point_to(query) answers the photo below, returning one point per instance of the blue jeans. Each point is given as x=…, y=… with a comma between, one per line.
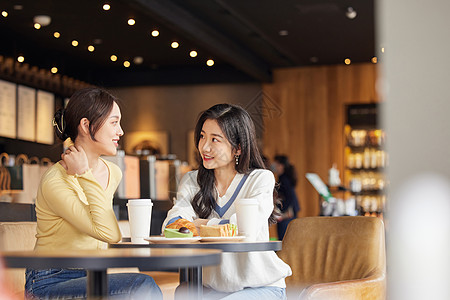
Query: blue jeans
x=71, y=284
x=258, y=293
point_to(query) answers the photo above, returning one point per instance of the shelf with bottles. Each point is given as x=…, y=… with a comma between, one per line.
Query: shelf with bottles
x=364, y=149
x=365, y=158
x=365, y=181
x=371, y=205
x=365, y=136
x=365, y=162
x=368, y=187
x=369, y=192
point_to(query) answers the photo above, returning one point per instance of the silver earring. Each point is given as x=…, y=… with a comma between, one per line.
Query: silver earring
x=237, y=159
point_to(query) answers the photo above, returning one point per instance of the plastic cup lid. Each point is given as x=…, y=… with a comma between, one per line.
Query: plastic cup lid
x=142, y=202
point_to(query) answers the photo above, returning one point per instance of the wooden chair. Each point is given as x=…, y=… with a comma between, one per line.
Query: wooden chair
x=335, y=258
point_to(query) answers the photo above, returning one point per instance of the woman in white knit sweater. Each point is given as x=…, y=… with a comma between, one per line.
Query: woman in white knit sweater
x=231, y=169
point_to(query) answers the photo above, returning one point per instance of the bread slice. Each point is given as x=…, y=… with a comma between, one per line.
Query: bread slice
x=224, y=230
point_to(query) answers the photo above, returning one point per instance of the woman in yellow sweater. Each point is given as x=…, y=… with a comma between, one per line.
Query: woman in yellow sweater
x=74, y=200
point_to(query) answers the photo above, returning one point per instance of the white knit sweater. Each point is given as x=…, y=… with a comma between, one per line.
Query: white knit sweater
x=243, y=269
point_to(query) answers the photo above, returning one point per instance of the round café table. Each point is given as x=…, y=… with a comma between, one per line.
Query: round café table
x=96, y=263
x=224, y=246
x=193, y=276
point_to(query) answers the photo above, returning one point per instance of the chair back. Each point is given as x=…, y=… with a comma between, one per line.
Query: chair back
x=17, y=236
x=330, y=249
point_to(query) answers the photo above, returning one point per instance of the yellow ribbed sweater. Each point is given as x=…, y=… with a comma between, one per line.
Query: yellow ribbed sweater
x=74, y=212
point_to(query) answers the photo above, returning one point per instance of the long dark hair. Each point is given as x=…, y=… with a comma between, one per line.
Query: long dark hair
x=239, y=130
x=289, y=169
x=94, y=104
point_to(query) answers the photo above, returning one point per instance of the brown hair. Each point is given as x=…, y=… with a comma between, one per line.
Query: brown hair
x=93, y=104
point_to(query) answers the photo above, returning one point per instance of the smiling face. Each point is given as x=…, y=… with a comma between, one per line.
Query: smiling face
x=215, y=149
x=109, y=133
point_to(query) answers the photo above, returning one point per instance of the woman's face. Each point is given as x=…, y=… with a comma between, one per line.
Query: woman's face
x=109, y=134
x=215, y=149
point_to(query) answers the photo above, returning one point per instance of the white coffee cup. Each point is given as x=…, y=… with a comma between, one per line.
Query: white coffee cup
x=140, y=217
x=247, y=218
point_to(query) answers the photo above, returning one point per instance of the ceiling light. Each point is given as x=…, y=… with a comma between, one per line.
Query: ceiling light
x=56, y=34
x=44, y=20
x=106, y=6
x=155, y=33
x=131, y=22
x=113, y=57
x=126, y=64
x=210, y=62
x=193, y=53
x=20, y=58
x=91, y=48
x=374, y=59
x=18, y=7
x=350, y=13
x=4, y=13
x=54, y=70
x=347, y=61
x=382, y=50
x=138, y=60
x=37, y=25
x=175, y=45
x=74, y=43
x=98, y=41
x=283, y=32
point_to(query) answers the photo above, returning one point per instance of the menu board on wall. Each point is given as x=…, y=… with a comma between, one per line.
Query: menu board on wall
x=45, y=112
x=7, y=109
x=26, y=113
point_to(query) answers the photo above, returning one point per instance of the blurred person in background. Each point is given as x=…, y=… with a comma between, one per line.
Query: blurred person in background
x=287, y=180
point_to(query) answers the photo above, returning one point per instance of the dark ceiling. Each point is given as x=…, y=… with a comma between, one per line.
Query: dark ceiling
x=246, y=39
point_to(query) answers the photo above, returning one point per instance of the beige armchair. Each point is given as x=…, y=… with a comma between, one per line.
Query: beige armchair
x=17, y=236
x=21, y=236
x=335, y=258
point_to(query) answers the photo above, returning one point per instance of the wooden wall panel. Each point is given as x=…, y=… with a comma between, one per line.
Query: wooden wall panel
x=309, y=123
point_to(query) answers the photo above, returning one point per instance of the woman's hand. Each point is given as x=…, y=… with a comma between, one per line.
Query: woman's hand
x=199, y=222
x=74, y=160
